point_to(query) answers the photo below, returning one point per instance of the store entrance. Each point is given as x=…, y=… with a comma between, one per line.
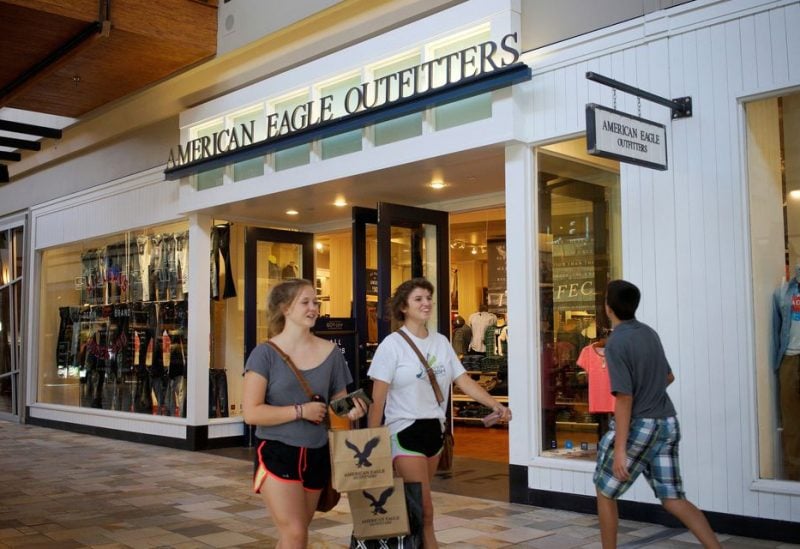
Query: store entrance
x=393, y=243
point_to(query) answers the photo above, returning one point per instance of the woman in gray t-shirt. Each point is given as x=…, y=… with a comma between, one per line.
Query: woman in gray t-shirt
x=292, y=458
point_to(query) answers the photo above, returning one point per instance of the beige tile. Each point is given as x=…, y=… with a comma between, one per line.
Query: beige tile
x=225, y=539
x=520, y=534
x=453, y=535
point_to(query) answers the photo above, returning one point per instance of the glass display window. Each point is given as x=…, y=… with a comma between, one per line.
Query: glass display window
x=773, y=172
x=12, y=253
x=113, y=322
x=579, y=252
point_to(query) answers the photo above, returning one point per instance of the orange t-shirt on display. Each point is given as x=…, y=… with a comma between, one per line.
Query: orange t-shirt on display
x=593, y=360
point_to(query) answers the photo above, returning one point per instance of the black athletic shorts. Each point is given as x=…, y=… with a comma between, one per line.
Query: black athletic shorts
x=421, y=438
x=309, y=466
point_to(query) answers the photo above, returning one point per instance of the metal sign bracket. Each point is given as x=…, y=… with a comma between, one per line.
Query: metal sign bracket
x=681, y=107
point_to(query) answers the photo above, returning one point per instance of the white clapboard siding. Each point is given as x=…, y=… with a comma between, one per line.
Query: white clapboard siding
x=685, y=234
x=142, y=200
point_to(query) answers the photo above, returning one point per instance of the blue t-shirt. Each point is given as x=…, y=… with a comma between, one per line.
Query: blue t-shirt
x=638, y=366
x=284, y=389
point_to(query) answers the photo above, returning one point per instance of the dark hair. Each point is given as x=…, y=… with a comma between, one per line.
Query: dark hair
x=399, y=299
x=281, y=296
x=623, y=298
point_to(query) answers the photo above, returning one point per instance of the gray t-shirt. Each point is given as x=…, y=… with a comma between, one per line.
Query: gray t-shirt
x=284, y=389
x=638, y=366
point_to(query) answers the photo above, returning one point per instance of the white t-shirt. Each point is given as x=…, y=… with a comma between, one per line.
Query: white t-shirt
x=411, y=396
x=479, y=322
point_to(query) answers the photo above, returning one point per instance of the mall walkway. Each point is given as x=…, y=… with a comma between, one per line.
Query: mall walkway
x=65, y=490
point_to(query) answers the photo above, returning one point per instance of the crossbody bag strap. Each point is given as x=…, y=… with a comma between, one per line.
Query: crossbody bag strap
x=431, y=376
x=294, y=369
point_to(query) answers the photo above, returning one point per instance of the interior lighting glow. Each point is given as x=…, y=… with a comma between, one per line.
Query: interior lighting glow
x=438, y=184
x=795, y=194
x=292, y=212
x=340, y=202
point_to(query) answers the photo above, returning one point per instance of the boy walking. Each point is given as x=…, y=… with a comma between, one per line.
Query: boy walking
x=643, y=437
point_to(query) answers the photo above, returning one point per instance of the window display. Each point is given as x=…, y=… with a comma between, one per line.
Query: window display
x=579, y=253
x=773, y=154
x=11, y=269
x=116, y=340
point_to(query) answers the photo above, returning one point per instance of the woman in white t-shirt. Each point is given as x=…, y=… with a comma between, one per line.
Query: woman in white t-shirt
x=403, y=394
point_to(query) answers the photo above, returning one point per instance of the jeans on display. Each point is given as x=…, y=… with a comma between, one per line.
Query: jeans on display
x=167, y=269
x=144, y=252
x=95, y=365
x=92, y=292
x=144, y=322
x=67, y=344
x=221, y=245
x=217, y=393
x=114, y=273
x=182, y=253
x=789, y=402
x=176, y=396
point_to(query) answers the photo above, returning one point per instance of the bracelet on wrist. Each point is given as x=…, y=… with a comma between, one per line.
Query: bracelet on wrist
x=298, y=411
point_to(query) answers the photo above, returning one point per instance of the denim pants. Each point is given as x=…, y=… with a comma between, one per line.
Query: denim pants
x=221, y=245
x=114, y=278
x=217, y=393
x=92, y=292
x=142, y=275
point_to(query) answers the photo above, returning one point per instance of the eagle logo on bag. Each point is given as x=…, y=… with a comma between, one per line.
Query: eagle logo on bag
x=377, y=504
x=363, y=455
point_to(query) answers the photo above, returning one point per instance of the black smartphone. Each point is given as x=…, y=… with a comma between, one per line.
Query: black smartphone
x=341, y=406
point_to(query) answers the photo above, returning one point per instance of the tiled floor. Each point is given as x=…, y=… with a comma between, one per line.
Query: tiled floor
x=66, y=490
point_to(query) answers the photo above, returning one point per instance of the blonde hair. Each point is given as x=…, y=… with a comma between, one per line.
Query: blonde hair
x=280, y=297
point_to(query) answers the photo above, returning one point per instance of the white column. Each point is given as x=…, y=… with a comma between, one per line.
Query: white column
x=523, y=329
x=199, y=319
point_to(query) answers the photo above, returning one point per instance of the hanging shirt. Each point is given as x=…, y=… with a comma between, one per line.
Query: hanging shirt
x=593, y=360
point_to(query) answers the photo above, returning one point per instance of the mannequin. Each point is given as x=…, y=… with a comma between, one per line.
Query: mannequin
x=462, y=335
x=786, y=329
x=479, y=322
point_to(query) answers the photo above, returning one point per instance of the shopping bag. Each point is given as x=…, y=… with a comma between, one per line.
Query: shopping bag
x=361, y=459
x=412, y=540
x=379, y=512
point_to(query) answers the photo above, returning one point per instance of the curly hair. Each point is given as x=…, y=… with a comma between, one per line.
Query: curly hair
x=399, y=299
x=280, y=297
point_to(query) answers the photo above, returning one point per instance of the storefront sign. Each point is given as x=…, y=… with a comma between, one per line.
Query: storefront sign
x=621, y=136
x=393, y=95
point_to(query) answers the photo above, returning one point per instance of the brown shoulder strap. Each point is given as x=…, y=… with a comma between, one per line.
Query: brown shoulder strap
x=294, y=369
x=431, y=376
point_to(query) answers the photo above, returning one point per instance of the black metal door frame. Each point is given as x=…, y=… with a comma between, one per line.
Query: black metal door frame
x=254, y=235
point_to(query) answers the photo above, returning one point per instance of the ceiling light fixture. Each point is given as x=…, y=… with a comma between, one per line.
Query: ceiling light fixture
x=340, y=202
x=319, y=246
x=292, y=212
x=438, y=184
x=795, y=194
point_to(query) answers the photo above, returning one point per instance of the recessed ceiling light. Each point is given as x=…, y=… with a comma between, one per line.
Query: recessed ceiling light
x=438, y=184
x=292, y=212
x=340, y=202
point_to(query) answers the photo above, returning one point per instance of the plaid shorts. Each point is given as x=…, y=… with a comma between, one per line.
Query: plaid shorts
x=652, y=451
